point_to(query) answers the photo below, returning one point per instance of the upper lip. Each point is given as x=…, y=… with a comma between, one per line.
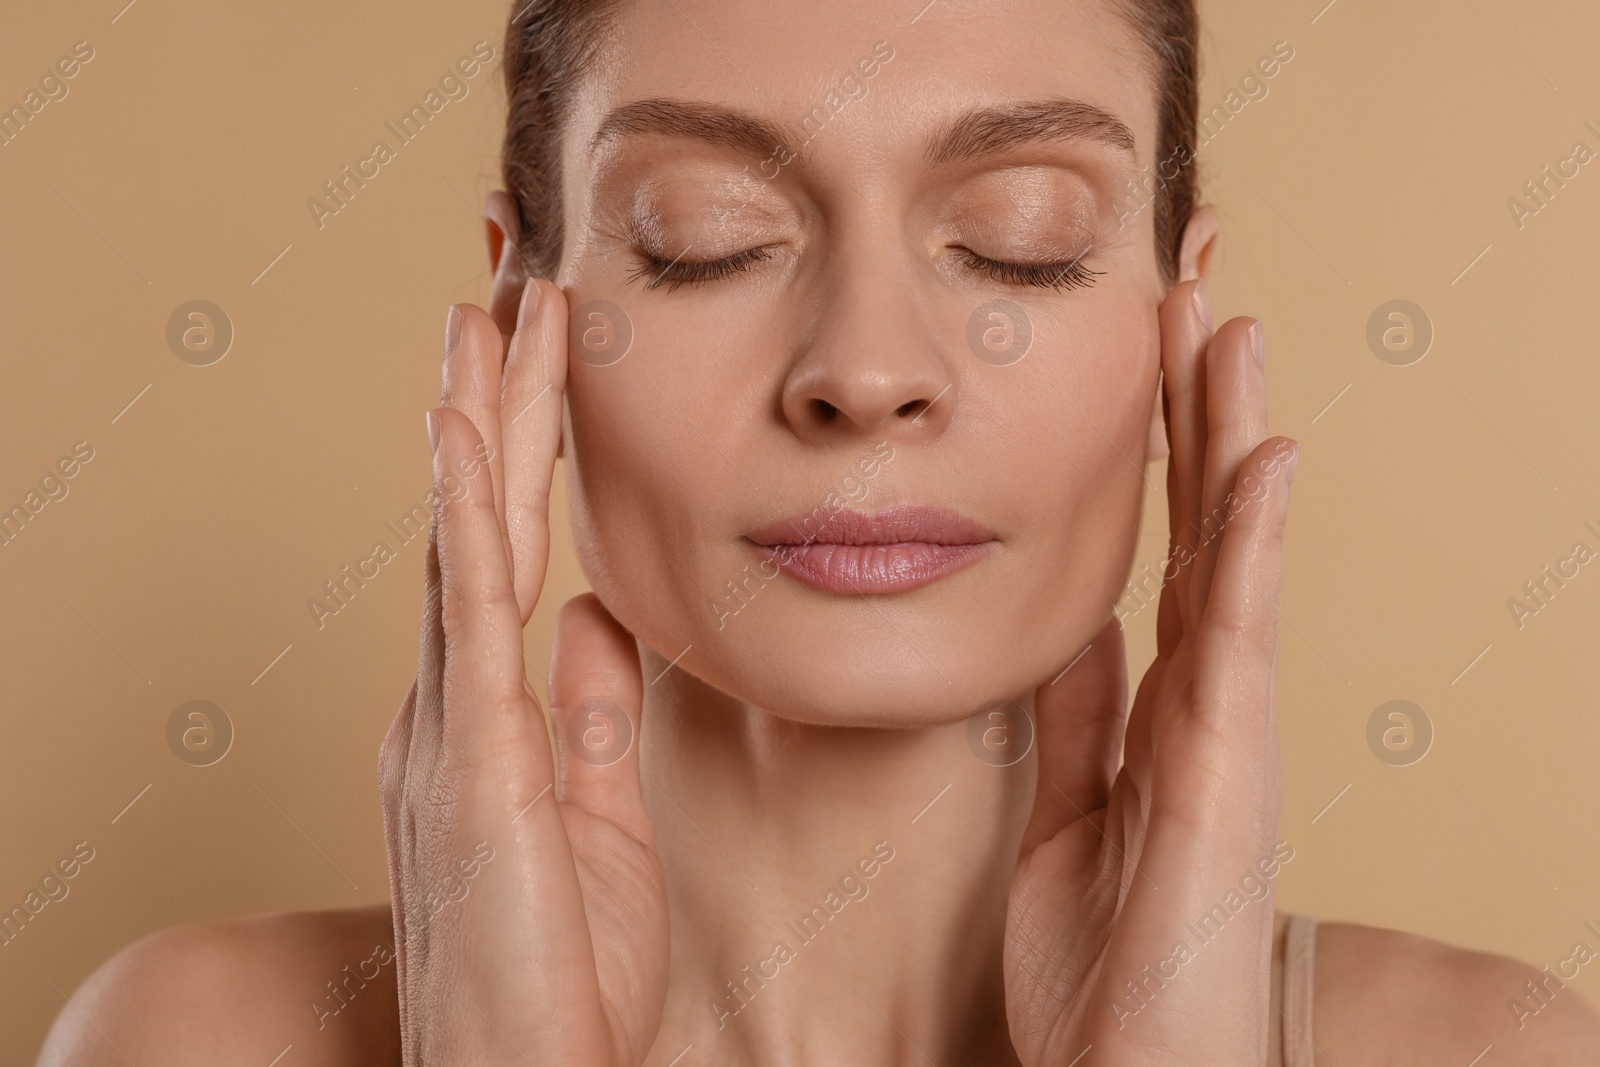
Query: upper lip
x=903, y=524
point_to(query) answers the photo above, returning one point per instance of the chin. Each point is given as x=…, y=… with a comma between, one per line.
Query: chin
x=930, y=656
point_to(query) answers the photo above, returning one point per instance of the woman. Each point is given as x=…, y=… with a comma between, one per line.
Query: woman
x=855, y=325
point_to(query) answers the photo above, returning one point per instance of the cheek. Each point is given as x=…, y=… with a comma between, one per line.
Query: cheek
x=644, y=488
x=619, y=481
x=1087, y=434
x=1092, y=392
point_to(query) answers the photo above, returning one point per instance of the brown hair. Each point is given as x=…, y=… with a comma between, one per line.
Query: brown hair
x=551, y=44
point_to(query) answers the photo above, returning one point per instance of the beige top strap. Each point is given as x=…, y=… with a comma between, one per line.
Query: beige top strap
x=1299, y=960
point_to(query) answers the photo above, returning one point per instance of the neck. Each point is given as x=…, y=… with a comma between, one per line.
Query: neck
x=837, y=895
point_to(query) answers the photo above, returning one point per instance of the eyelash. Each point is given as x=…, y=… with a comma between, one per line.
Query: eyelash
x=1070, y=275
x=673, y=273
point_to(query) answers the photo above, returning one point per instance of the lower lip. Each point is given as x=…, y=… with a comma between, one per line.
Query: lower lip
x=889, y=568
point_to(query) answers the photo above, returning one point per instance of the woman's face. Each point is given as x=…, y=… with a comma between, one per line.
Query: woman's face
x=829, y=470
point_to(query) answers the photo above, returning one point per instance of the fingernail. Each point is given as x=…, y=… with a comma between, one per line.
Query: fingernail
x=1258, y=344
x=1202, y=303
x=1293, y=465
x=433, y=431
x=530, y=303
x=452, y=329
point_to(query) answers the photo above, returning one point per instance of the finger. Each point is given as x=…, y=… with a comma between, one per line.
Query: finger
x=493, y=784
x=470, y=382
x=1213, y=800
x=1172, y=606
x=530, y=413
x=1185, y=331
x=596, y=695
x=1236, y=647
x=407, y=761
x=1212, y=768
x=1236, y=419
x=429, y=708
x=391, y=778
x=397, y=846
x=488, y=721
x=1079, y=718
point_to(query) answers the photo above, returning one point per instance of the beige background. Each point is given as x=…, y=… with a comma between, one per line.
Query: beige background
x=180, y=564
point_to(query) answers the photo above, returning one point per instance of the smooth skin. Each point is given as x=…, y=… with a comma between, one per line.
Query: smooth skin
x=621, y=898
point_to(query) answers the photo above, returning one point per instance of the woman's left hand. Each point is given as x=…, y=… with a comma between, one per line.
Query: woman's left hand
x=1139, y=929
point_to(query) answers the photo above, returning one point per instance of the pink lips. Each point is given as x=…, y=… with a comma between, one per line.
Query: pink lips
x=892, y=551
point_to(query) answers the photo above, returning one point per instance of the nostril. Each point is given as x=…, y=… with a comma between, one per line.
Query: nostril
x=825, y=411
x=908, y=407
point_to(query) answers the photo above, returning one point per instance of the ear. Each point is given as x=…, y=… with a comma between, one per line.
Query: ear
x=509, y=263
x=506, y=259
x=1199, y=242
x=1200, y=237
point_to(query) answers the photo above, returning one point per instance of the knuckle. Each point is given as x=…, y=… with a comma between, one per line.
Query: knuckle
x=455, y=612
x=393, y=749
x=528, y=518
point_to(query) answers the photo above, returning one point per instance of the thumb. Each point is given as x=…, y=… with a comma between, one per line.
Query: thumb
x=596, y=695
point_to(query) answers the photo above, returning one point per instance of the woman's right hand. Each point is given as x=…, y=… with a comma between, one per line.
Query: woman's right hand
x=530, y=911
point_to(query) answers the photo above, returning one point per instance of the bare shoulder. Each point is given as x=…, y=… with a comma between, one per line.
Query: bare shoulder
x=241, y=991
x=1386, y=997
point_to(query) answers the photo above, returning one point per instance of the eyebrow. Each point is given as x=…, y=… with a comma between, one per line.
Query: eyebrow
x=976, y=133
x=712, y=123
x=993, y=130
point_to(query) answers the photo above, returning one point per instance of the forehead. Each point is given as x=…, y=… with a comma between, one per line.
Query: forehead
x=818, y=67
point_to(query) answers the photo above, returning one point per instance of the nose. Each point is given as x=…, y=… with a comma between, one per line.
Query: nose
x=871, y=364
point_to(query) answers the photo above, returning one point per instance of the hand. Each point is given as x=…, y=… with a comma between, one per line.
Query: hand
x=530, y=909
x=1118, y=867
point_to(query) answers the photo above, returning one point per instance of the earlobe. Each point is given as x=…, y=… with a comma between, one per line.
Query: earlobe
x=1200, y=236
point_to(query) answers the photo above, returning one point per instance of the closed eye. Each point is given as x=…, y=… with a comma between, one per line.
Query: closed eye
x=675, y=272
x=1068, y=275
x=1071, y=274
